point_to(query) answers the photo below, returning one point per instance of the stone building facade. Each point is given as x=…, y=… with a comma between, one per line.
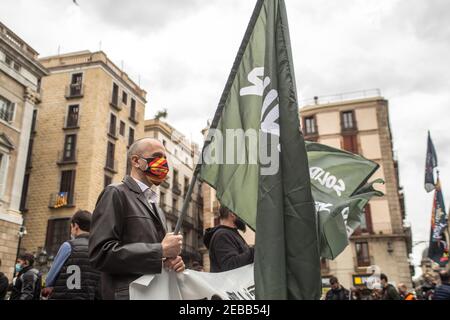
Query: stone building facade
x=91, y=111
x=20, y=77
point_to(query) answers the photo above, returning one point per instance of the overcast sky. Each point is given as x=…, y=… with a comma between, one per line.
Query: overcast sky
x=183, y=50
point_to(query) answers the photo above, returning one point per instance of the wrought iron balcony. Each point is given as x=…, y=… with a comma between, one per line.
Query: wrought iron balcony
x=61, y=200
x=74, y=90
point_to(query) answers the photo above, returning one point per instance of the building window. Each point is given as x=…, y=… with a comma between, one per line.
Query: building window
x=130, y=136
x=72, y=116
x=186, y=185
x=69, y=147
x=8, y=60
x=112, y=125
x=67, y=186
x=175, y=206
x=310, y=126
x=76, y=84
x=58, y=231
x=115, y=95
x=3, y=172
x=324, y=265
x=366, y=220
x=33, y=122
x=30, y=153
x=23, y=198
x=362, y=254
x=108, y=181
x=122, y=128
x=133, y=109
x=348, y=120
x=6, y=109
x=175, y=177
x=17, y=66
x=110, y=155
x=350, y=143
x=124, y=97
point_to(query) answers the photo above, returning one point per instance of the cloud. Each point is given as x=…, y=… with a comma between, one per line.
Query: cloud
x=142, y=16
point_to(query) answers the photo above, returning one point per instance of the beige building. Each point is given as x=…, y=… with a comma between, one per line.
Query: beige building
x=20, y=76
x=91, y=111
x=182, y=156
x=359, y=122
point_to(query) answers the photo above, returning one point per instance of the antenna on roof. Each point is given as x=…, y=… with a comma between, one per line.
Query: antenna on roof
x=59, y=50
x=100, y=46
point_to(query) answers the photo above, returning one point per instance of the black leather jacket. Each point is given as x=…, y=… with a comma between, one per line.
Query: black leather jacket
x=125, y=238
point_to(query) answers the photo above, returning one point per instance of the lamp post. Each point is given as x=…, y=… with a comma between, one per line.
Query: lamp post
x=22, y=232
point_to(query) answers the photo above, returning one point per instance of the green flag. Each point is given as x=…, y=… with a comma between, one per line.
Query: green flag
x=255, y=157
x=340, y=190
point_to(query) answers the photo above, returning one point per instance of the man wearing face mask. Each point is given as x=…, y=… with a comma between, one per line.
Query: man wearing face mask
x=72, y=261
x=128, y=235
x=27, y=284
x=227, y=248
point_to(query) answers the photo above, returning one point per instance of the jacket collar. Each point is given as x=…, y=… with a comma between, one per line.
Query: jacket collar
x=129, y=181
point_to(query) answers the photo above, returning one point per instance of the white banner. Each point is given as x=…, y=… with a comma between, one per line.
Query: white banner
x=237, y=284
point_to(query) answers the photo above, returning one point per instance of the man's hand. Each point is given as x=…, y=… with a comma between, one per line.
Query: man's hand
x=46, y=292
x=175, y=264
x=171, y=245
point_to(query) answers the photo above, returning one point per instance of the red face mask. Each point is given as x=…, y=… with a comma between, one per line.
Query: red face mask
x=157, y=168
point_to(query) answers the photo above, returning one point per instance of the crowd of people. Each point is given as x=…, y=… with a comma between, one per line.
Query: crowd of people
x=126, y=237
x=383, y=290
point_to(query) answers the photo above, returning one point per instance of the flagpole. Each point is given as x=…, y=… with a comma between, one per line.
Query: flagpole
x=220, y=107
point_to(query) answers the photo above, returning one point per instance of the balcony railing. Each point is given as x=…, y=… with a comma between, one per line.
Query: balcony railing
x=176, y=188
x=362, y=263
x=74, y=90
x=112, y=132
x=345, y=127
x=61, y=200
x=64, y=158
x=134, y=117
x=71, y=122
x=112, y=165
x=116, y=103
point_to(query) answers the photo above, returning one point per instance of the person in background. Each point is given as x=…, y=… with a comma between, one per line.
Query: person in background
x=355, y=293
x=389, y=291
x=197, y=266
x=4, y=284
x=337, y=291
x=377, y=292
x=74, y=253
x=406, y=294
x=227, y=248
x=27, y=285
x=442, y=291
